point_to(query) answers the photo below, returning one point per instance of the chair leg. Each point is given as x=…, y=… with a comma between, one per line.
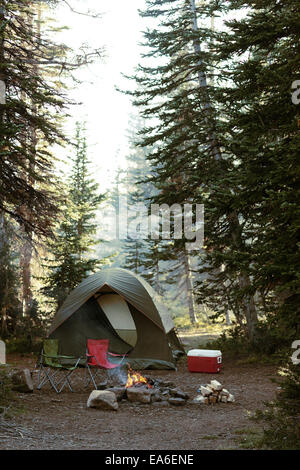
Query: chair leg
x=88, y=376
x=65, y=380
x=47, y=378
x=66, y=377
x=92, y=377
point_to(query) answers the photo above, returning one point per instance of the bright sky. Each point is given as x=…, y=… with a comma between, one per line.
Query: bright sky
x=105, y=110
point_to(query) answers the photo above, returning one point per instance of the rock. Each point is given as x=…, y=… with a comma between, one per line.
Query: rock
x=22, y=381
x=216, y=385
x=155, y=397
x=103, y=399
x=120, y=392
x=231, y=398
x=205, y=391
x=199, y=400
x=102, y=385
x=166, y=384
x=178, y=394
x=161, y=403
x=139, y=394
x=177, y=401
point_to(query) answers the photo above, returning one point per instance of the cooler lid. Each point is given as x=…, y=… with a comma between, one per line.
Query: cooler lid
x=204, y=352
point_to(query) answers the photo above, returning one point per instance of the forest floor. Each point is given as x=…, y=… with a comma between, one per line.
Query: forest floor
x=49, y=421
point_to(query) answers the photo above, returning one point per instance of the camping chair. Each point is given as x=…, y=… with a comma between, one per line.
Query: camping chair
x=54, y=368
x=97, y=359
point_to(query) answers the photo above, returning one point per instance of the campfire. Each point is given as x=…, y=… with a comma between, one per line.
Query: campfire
x=135, y=379
x=136, y=388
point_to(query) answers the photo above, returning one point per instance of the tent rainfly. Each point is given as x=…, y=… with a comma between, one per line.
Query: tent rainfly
x=121, y=306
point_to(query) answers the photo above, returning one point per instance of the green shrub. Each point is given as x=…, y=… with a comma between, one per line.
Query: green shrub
x=232, y=342
x=268, y=341
x=183, y=322
x=282, y=416
x=5, y=388
x=22, y=345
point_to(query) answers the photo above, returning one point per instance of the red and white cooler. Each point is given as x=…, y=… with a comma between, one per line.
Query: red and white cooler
x=204, y=360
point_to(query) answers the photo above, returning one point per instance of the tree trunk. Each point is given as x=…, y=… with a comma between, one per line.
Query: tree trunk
x=157, y=273
x=189, y=287
x=3, y=299
x=2, y=61
x=27, y=247
x=25, y=265
x=204, y=312
x=244, y=280
x=248, y=306
x=157, y=279
x=4, y=321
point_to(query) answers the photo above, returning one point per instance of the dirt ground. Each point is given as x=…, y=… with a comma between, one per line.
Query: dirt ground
x=50, y=421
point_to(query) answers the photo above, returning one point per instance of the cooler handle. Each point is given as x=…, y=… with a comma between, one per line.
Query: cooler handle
x=219, y=360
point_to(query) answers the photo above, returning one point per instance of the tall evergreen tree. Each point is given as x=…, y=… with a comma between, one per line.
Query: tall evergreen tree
x=142, y=253
x=197, y=132
x=262, y=138
x=10, y=305
x=33, y=104
x=76, y=234
x=244, y=167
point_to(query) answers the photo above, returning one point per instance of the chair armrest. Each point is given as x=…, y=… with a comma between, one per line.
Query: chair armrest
x=118, y=355
x=59, y=356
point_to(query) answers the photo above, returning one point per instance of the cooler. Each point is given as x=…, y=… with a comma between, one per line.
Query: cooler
x=204, y=360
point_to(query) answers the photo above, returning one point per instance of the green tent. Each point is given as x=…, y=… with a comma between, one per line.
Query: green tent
x=122, y=307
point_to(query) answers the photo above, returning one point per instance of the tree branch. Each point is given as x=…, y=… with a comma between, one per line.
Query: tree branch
x=88, y=13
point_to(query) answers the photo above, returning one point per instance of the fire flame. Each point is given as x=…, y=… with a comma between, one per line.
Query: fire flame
x=135, y=378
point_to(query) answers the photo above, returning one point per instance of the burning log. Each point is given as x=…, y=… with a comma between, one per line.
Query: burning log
x=135, y=379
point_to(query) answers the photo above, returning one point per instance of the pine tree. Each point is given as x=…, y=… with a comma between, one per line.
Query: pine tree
x=76, y=234
x=176, y=94
x=31, y=105
x=262, y=133
x=142, y=253
x=197, y=98
x=281, y=416
x=10, y=305
x=180, y=274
